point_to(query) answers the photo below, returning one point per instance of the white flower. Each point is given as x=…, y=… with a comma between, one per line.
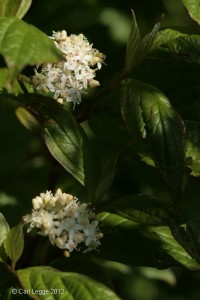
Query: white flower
x=65, y=220
x=68, y=79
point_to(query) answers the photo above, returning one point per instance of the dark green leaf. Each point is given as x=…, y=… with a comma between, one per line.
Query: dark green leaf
x=63, y=136
x=70, y=286
x=14, y=147
x=27, y=46
x=193, y=146
x=149, y=115
x=60, y=130
x=179, y=45
x=187, y=233
x=6, y=281
x=173, y=66
x=12, y=8
x=132, y=44
x=106, y=176
x=14, y=243
x=136, y=244
x=147, y=44
x=193, y=8
x=144, y=209
x=110, y=128
x=64, y=141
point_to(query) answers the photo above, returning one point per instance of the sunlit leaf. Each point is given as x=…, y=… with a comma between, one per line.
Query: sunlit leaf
x=5, y=228
x=193, y=8
x=14, y=243
x=27, y=119
x=4, y=80
x=131, y=243
x=12, y=8
x=22, y=44
x=63, y=285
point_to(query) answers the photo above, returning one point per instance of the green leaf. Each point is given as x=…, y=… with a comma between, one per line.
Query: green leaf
x=144, y=209
x=149, y=115
x=131, y=243
x=14, y=243
x=173, y=248
x=31, y=46
x=12, y=8
x=65, y=139
x=132, y=44
x=193, y=146
x=193, y=8
x=106, y=176
x=5, y=228
x=138, y=49
x=177, y=44
x=27, y=119
x=110, y=129
x=90, y=164
x=4, y=86
x=187, y=233
x=7, y=280
x=63, y=285
x=14, y=147
x=173, y=66
x=147, y=43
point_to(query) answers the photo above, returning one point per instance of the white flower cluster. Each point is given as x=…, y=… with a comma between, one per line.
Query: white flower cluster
x=65, y=220
x=69, y=78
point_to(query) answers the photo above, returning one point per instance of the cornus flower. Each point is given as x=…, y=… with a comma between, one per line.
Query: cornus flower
x=65, y=220
x=68, y=79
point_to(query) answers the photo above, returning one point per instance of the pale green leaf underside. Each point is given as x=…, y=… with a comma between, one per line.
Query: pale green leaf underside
x=70, y=286
x=22, y=44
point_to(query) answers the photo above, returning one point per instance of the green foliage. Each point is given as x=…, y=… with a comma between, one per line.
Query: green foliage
x=31, y=46
x=18, y=8
x=193, y=8
x=137, y=48
x=62, y=285
x=137, y=244
x=130, y=150
x=14, y=243
x=149, y=115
